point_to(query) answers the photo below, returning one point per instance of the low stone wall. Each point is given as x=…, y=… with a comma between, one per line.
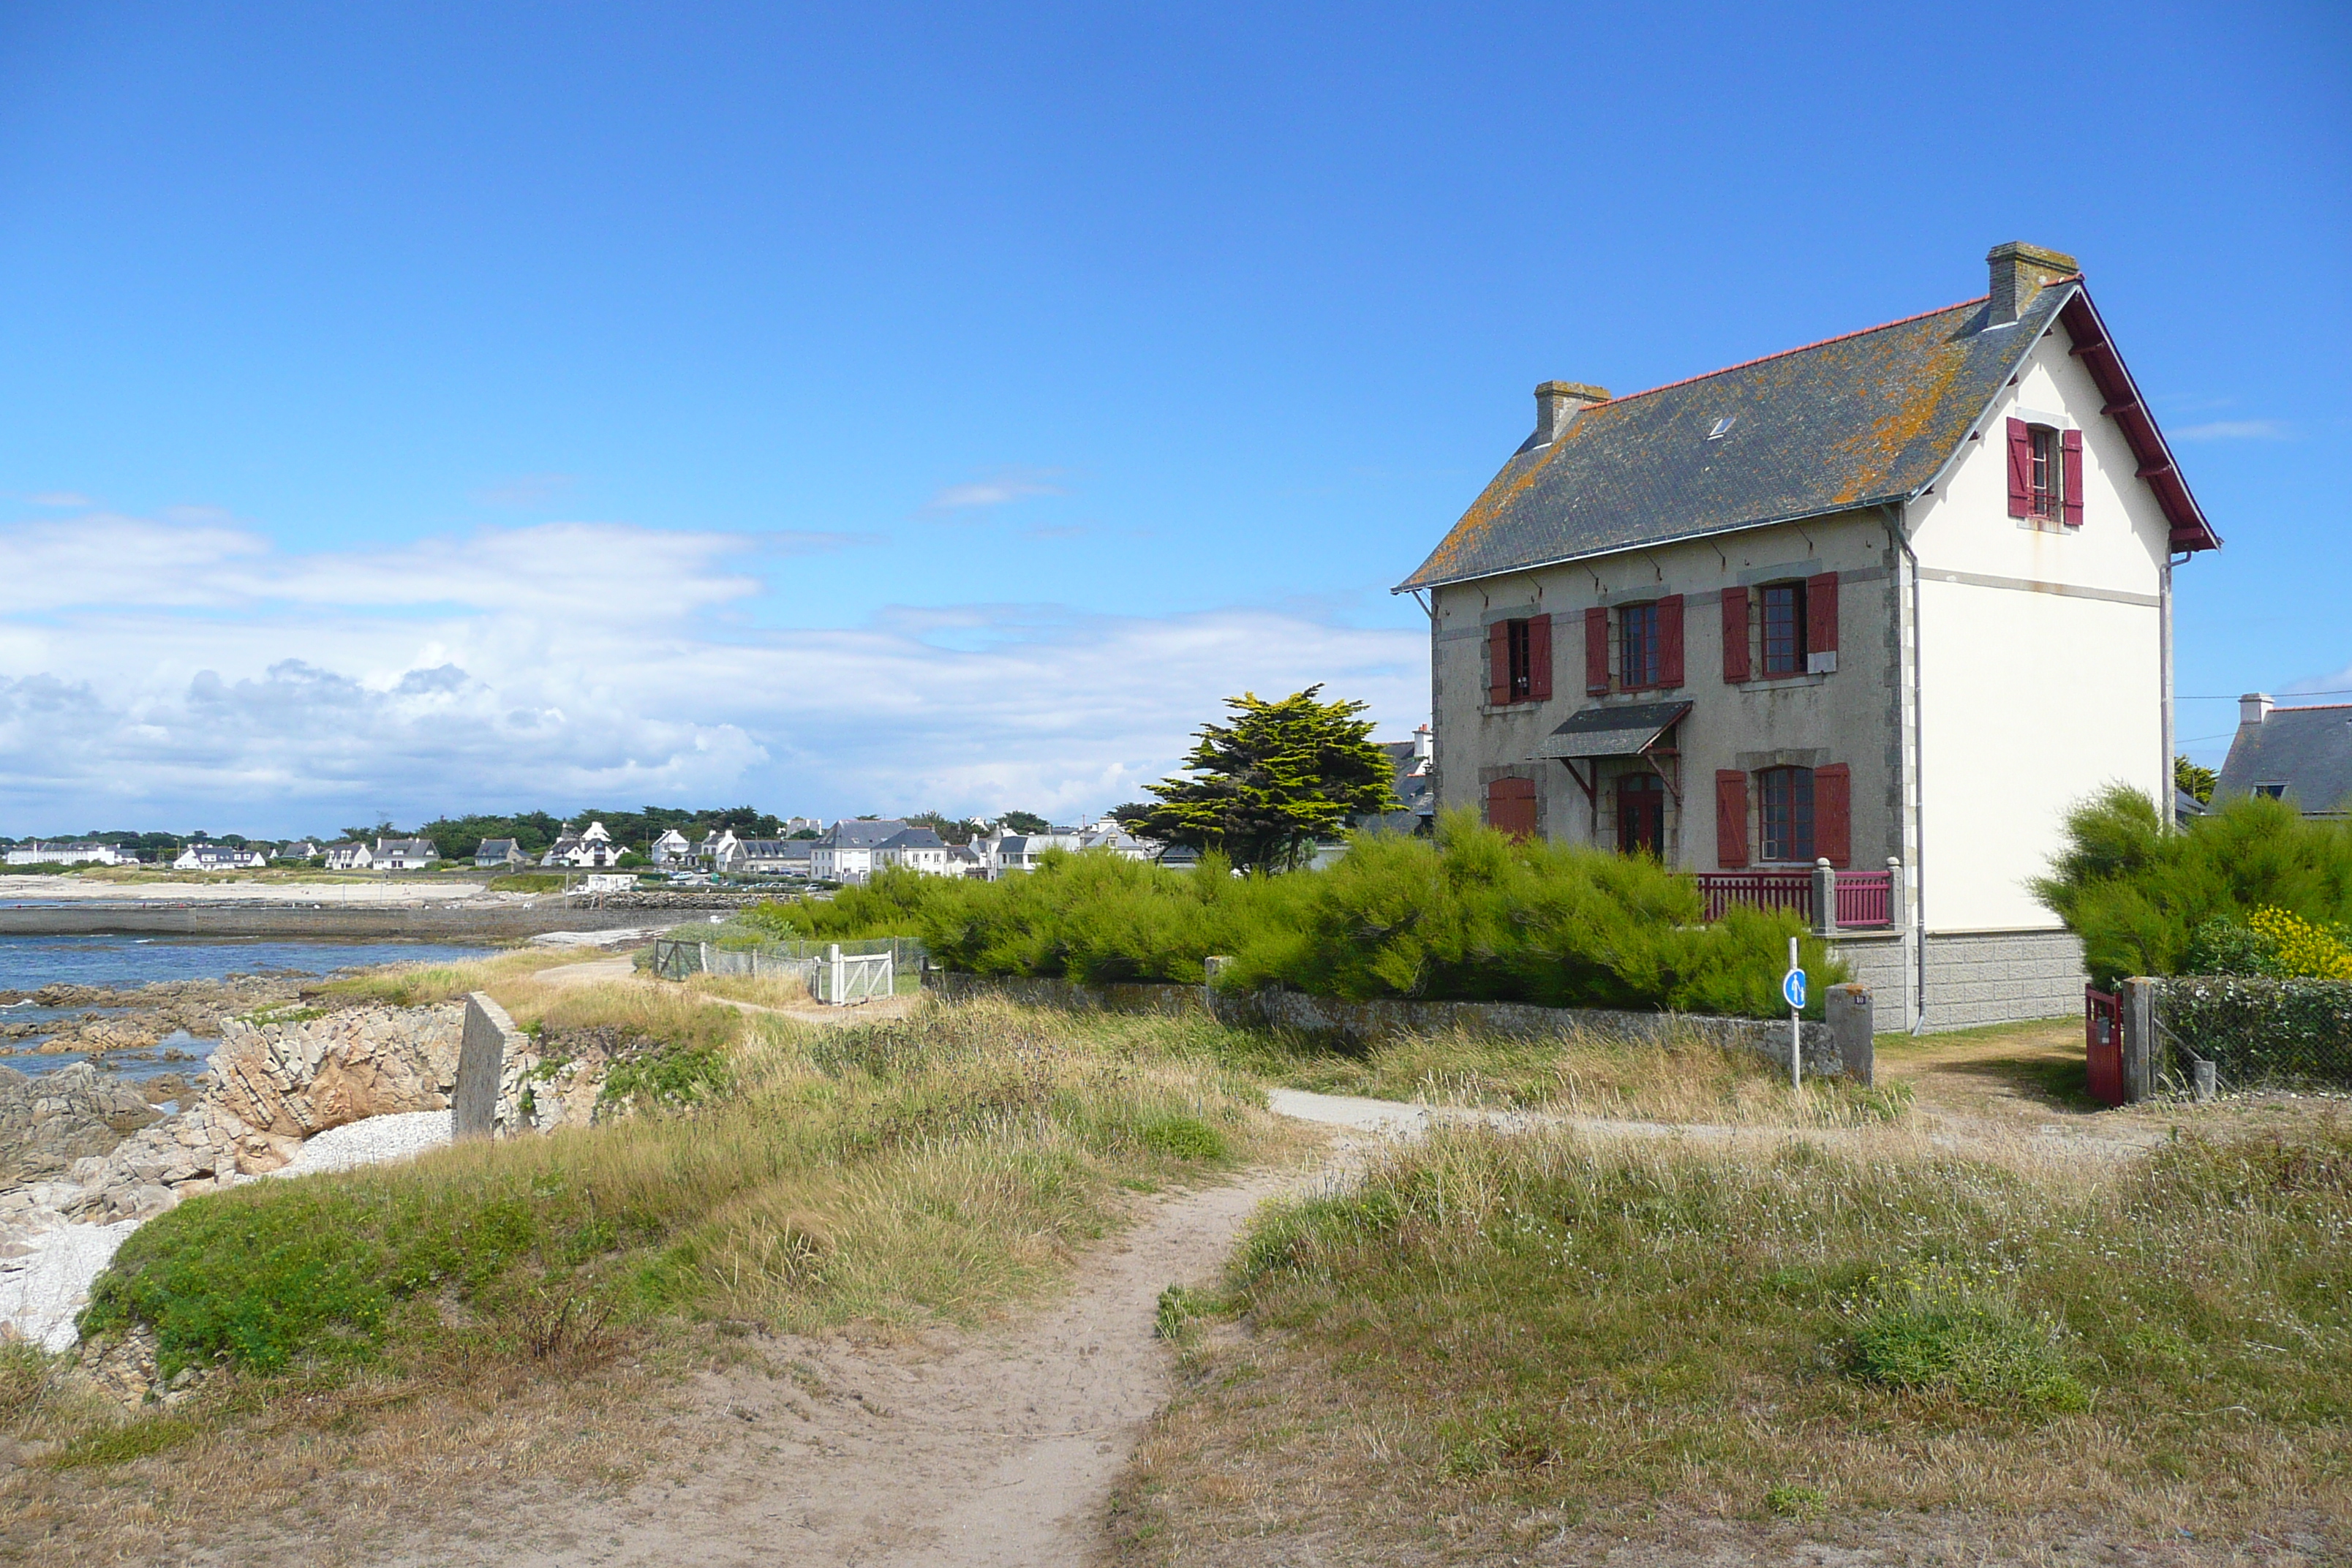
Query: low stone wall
x=1824, y=1055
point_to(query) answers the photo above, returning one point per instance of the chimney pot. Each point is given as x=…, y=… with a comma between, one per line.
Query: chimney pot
x=2019, y=272
x=1558, y=402
x=2254, y=707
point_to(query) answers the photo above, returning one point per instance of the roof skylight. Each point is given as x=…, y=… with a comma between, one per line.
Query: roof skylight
x=1723, y=427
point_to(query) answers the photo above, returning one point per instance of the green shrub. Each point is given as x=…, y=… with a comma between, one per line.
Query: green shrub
x=1470, y=916
x=1935, y=1329
x=2138, y=893
x=1183, y=1137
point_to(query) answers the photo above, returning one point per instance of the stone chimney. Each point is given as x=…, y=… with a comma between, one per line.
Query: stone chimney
x=1558, y=402
x=2253, y=708
x=2019, y=272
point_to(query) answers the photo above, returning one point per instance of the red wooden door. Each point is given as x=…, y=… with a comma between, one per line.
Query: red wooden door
x=1642, y=814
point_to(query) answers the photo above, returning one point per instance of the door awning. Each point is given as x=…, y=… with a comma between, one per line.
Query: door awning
x=1614, y=732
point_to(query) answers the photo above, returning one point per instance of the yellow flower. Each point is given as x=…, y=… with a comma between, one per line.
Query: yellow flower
x=2302, y=950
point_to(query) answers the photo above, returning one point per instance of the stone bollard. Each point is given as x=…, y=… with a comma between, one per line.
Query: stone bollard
x=1851, y=1031
x=2206, y=1079
x=1824, y=898
x=481, y=1065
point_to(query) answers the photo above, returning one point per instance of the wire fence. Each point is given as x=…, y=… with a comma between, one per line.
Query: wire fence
x=2238, y=1033
x=835, y=971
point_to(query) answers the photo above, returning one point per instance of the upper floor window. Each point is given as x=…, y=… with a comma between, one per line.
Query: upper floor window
x=1637, y=646
x=2045, y=473
x=1784, y=628
x=1519, y=660
x=1786, y=819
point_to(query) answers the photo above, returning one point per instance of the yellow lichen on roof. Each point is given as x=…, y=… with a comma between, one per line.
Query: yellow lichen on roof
x=1513, y=481
x=1870, y=455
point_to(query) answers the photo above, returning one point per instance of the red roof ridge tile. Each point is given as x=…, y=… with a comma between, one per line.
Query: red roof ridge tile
x=1801, y=348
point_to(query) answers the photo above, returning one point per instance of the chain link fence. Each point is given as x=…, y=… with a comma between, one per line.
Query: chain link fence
x=856, y=970
x=2231, y=1033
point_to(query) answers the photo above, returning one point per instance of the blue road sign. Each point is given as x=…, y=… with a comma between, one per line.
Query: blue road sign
x=1792, y=990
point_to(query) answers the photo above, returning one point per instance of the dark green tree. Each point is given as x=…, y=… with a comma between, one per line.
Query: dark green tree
x=2193, y=781
x=1266, y=786
x=1024, y=822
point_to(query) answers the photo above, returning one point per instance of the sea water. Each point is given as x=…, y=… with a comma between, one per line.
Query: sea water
x=127, y=962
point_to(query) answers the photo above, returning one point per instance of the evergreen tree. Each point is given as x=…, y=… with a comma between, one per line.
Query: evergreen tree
x=1267, y=786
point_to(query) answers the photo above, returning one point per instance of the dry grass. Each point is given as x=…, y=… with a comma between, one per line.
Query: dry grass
x=422, y=985
x=510, y=1311
x=1682, y=1079
x=761, y=991
x=1535, y=1344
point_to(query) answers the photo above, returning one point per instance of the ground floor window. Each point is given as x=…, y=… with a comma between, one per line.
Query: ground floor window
x=1511, y=807
x=1788, y=813
x=1642, y=814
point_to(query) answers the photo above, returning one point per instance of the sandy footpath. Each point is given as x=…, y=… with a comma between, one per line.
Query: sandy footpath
x=982, y=1450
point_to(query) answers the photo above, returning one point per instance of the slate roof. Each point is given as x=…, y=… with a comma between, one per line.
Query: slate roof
x=2308, y=750
x=913, y=838
x=1853, y=421
x=1625, y=731
x=853, y=833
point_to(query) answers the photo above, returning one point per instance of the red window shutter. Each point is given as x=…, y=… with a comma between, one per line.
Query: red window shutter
x=1596, y=650
x=2020, y=468
x=1499, y=663
x=1670, y=640
x=2072, y=442
x=1822, y=613
x=1735, y=635
x=1834, y=814
x=1540, y=659
x=1730, y=819
x=1511, y=807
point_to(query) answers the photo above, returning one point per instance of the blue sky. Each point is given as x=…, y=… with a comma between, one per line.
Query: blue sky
x=481, y=407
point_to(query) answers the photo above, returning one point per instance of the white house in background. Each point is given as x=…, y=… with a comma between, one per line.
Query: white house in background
x=1002, y=852
x=588, y=849
x=299, y=849
x=720, y=850
x=1793, y=611
x=915, y=850
x=844, y=852
x=493, y=854
x=800, y=825
x=672, y=850
x=350, y=855
x=777, y=856
x=1108, y=834
x=219, y=857
x=52, y=853
x=405, y=854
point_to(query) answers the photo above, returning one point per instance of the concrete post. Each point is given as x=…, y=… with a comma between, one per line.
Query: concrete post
x=1211, y=968
x=1853, y=1031
x=481, y=1066
x=1824, y=898
x=834, y=981
x=2137, y=1002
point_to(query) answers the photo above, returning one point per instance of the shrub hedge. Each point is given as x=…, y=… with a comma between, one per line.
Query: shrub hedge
x=1472, y=915
x=2138, y=893
x=2260, y=1031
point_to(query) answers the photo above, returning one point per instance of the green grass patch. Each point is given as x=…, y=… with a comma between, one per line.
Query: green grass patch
x=1592, y=1326
x=906, y=1171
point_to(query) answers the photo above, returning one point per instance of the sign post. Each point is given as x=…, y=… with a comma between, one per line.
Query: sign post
x=1792, y=991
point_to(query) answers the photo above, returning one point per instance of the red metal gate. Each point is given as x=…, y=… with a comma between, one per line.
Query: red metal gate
x=2103, y=1045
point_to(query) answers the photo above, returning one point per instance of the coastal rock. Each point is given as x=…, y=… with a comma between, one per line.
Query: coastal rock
x=46, y=1122
x=294, y=1080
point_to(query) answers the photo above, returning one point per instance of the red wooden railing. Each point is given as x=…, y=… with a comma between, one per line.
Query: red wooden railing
x=1865, y=898
x=1757, y=890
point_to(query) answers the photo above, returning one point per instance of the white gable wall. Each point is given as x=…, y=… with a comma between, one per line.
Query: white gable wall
x=2041, y=654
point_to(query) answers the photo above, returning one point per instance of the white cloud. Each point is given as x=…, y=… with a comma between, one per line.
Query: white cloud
x=2235, y=430
x=60, y=498
x=161, y=674
x=997, y=488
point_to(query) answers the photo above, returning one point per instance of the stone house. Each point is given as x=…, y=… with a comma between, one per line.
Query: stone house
x=500, y=853
x=844, y=852
x=1800, y=610
x=2302, y=755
